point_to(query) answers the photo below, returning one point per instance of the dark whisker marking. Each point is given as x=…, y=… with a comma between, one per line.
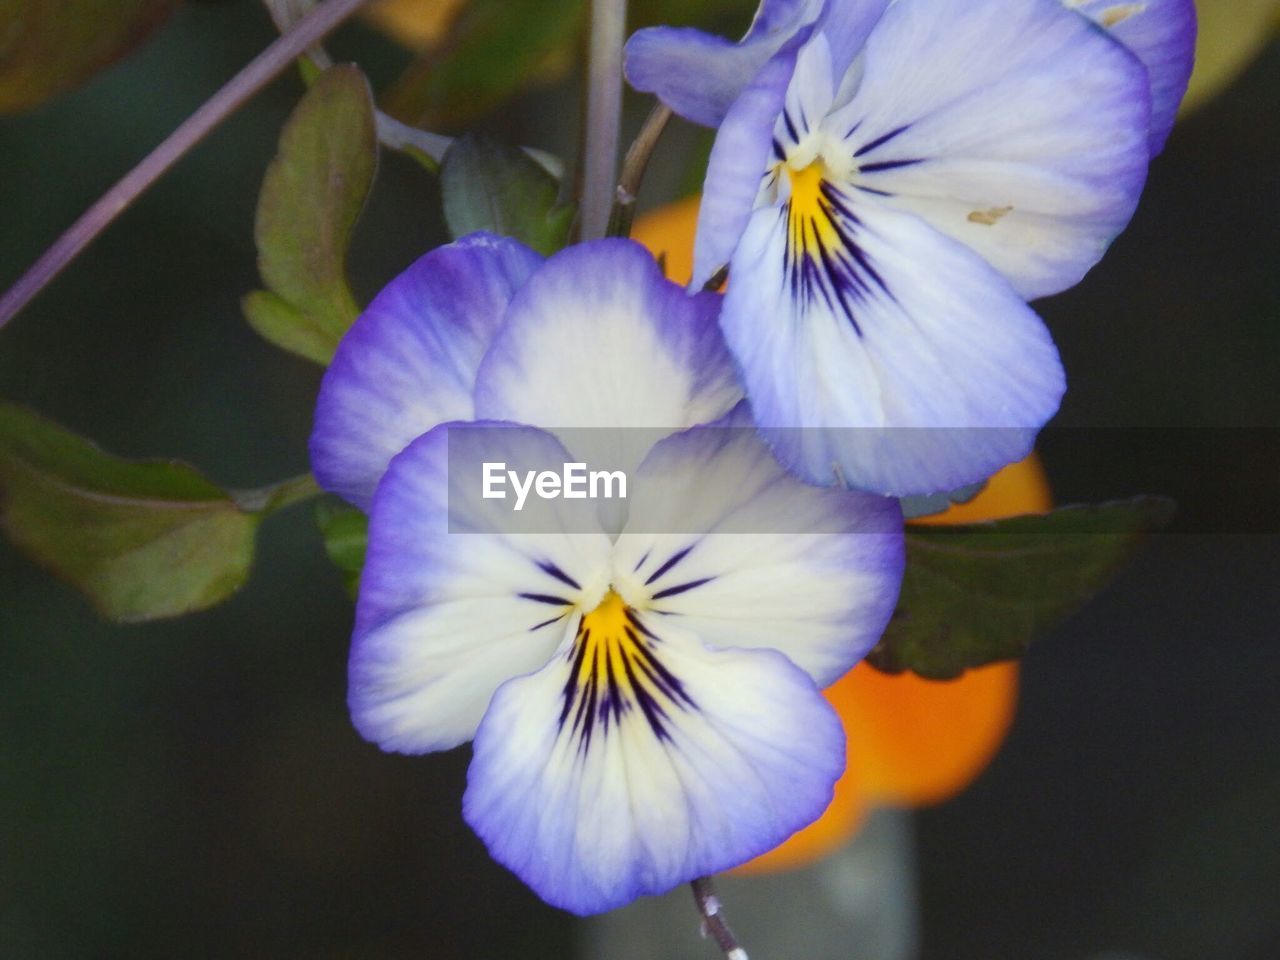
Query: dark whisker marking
x=544, y=598
x=614, y=674
x=879, y=141
x=671, y=562
x=649, y=706
x=824, y=262
x=547, y=623
x=681, y=588
x=873, y=190
x=837, y=270
x=612, y=700
x=791, y=127
x=884, y=165
x=575, y=671
x=778, y=153
x=640, y=562
x=546, y=566
x=668, y=677
x=639, y=625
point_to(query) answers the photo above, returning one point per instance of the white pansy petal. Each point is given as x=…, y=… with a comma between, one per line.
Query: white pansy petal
x=409, y=362
x=1014, y=126
x=722, y=540
x=1162, y=34
x=452, y=603
x=639, y=760
x=740, y=158
x=878, y=352
x=599, y=338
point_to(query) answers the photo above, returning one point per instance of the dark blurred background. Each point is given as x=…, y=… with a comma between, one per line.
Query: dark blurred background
x=194, y=788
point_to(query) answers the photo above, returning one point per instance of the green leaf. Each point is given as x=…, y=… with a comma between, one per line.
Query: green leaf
x=979, y=593
x=143, y=540
x=290, y=329
x=488, y=185
x=493, y=51
x=311, y=197
x=346, y=536
x=50, y=46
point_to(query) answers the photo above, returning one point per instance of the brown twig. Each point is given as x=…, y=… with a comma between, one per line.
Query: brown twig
x=257, y=74
x=713, y=923
x=633, y=167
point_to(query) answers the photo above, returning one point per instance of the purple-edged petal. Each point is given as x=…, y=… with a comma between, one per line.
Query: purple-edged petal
x=1014, y=126
x=722, y=540
x=452, y=602
x=629, y=766
x=879, y=353
x=740, y=157
x=1162, y=34
x=409, y=362
x=699, y=75
x=599, y=338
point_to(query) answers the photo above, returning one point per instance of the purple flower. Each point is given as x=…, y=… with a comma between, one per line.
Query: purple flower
x=888, y=190
x=644, y=701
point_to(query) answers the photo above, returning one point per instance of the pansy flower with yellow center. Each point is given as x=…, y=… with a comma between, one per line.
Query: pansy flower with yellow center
x=888, y=190
x=909, y=741
x=700, y=75
x=641, y=683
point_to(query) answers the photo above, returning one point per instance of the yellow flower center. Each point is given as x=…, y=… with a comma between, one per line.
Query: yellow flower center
x=616, y=671
x=810, y=228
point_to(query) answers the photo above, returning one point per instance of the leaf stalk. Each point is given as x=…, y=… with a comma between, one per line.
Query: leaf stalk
x=633, y=167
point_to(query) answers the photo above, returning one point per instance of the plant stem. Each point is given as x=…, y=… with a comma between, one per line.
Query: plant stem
x=704, y=896
x=426, y=148
x=633, y=167
x=604, y=109
x=257, y=74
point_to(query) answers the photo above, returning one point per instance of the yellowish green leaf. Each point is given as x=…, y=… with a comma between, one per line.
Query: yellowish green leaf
x=311, y=198
x=142, y=539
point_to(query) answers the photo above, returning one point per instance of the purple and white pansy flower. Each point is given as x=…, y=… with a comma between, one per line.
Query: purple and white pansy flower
x=699, y=75
x=888, y=190
x=642, y=695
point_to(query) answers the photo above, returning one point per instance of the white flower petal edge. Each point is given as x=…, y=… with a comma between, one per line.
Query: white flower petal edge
x=409, y=362
x=688, y=762
x=722, y=540
x=452, y=602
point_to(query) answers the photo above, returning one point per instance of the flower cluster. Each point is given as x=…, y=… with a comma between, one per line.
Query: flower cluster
x=890, y=184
